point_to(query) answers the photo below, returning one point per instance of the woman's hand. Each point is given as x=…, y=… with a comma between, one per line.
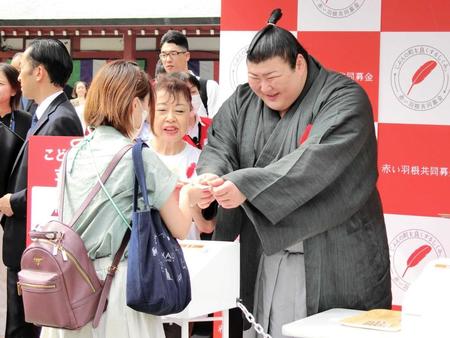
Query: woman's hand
x=206, y=198
x=196, y=193
x=5, y=205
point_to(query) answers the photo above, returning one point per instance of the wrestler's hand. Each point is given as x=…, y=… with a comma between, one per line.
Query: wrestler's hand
x=226, y=193
x=5, y=205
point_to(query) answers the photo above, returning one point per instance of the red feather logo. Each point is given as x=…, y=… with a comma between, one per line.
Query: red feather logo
x=190, y=170
x=416, y=257
x=422, y=73
x=305, y=134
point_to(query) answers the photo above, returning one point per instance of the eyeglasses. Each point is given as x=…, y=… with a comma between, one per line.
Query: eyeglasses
x=173, y=53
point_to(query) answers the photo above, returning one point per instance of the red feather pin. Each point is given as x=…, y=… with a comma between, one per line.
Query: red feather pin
x=417, y=256
x=305, y=134
x=190, y=170
x=422, y=73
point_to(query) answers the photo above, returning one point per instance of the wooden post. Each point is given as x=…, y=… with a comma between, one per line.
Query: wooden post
x=129, y=46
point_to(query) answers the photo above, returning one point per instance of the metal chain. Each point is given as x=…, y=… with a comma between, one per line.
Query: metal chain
x=251, y=319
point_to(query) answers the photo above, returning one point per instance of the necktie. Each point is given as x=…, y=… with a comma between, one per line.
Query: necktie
x=34, y=121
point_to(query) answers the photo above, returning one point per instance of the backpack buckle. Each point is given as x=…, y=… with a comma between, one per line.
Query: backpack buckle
x=112, y=269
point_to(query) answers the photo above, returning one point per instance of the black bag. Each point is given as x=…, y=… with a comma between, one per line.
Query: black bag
x=158, y=280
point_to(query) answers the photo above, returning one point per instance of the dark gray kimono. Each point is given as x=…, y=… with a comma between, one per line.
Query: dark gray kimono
x=322, y=192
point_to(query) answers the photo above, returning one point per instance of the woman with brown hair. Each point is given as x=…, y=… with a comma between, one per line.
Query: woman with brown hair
x=79, y=94
x=118, y=101
x=14, y=123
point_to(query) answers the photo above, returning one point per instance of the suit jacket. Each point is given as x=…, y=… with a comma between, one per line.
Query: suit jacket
x=60, y=119
x=29, y=107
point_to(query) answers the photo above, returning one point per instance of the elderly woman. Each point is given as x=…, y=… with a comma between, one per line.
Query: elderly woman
x=199, y=123
x=170, y=122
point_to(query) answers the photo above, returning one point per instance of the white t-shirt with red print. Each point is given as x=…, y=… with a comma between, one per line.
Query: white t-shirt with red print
x=184, y=164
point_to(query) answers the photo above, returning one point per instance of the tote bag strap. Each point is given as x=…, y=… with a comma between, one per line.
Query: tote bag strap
x=108, y=280
x=140, y=182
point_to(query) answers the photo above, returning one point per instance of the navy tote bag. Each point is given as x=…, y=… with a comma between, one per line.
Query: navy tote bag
x=157, y=278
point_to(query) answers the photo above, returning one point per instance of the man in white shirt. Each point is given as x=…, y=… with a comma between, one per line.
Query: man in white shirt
x=174, y=55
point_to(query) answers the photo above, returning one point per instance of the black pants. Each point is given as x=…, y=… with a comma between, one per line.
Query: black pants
x=16, y=327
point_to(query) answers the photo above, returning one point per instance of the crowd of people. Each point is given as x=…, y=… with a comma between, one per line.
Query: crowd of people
x=287, y=166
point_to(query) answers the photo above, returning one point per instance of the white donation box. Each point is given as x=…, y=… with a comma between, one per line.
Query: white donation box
x=214, y=271
x=426, y=305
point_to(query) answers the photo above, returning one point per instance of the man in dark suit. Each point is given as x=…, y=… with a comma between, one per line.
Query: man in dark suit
x=45, y=68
